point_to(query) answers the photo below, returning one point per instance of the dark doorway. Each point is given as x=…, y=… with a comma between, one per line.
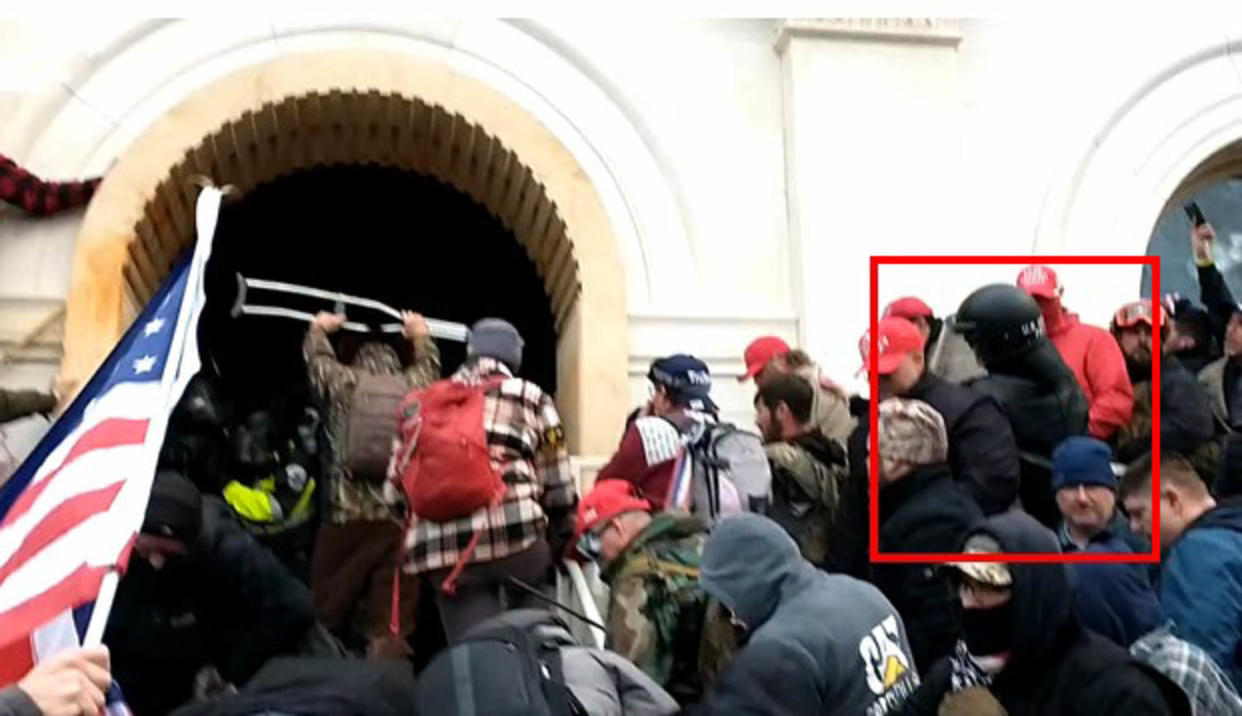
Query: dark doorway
x=392, y=235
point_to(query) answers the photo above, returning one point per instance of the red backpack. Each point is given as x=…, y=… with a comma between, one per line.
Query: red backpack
x=445, y=466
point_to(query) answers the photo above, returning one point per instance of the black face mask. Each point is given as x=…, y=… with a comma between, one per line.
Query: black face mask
x=988, y=631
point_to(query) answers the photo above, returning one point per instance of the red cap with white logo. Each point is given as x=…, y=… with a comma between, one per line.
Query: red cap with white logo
x=1039, y=281
x=897, y=339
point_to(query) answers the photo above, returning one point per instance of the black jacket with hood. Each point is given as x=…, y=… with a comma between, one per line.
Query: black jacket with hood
x=982, y=450
x=818, y=643
x=228, y=603
x=925, y=511
x=1056, y=666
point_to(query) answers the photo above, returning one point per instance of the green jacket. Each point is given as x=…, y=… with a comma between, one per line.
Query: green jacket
x=659, y=617
x=807, y=477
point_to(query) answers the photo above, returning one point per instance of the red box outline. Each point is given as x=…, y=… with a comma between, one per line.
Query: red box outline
x=1031, y=557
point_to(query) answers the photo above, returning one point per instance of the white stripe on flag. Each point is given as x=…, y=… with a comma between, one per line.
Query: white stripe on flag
x=92, y=471
x=58, y=560
x=129, y=401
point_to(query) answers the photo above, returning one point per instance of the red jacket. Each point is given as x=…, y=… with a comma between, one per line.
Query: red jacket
x=1100, y=368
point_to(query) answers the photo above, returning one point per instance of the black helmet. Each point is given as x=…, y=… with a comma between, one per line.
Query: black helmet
x=999, y=322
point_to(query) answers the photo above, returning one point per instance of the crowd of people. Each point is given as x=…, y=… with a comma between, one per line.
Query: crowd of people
x=315, y=558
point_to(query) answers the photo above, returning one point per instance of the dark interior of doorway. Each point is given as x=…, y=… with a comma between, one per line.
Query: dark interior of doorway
x=396, y=236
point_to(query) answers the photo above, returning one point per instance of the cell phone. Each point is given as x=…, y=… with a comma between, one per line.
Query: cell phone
x=1194, y=214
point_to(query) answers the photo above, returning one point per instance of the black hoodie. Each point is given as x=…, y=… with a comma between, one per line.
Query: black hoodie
x=1056, y=666
x=925, y=511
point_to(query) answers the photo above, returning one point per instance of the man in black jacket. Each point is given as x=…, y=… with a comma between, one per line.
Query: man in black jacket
x=1027, y=376
x=982, y=452
x=200, y=599
x=1024, y=646
x=921, y=510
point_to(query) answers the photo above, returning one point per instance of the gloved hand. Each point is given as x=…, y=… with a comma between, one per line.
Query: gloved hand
x=209, y=685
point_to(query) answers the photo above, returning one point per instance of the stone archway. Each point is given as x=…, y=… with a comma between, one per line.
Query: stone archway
x=363, y=107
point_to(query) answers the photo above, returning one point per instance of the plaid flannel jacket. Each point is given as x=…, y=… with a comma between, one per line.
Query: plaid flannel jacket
x=36, y=196
x=527, y=443
x=1191, y=668
x=333, y=383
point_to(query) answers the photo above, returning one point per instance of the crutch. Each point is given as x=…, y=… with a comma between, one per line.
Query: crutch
x=444, y=330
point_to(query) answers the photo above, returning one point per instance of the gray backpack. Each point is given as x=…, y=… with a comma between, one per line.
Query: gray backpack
x=723, y=470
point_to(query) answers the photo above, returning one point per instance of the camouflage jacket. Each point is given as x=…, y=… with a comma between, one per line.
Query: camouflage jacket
x=333, y=383
x=659, y=617
x=807, y=476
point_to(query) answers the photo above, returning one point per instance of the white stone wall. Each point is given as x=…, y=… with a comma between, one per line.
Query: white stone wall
x=749, y=178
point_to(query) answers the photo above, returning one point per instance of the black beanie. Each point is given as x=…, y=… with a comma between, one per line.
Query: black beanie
x=175, y=509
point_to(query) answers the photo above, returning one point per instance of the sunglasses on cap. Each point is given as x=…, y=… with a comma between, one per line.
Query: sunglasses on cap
x=1134, y=313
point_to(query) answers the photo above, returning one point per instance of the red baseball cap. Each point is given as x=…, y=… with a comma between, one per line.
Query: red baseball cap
x=898, y=338
x=606, y=500
x=909, y=308
x=759, y=353
x=1039, y=281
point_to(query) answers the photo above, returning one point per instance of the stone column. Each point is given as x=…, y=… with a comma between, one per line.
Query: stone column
x=872, y=139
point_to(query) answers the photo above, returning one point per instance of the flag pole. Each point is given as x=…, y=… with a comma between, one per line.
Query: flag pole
x=103, y=605
x=177, y=373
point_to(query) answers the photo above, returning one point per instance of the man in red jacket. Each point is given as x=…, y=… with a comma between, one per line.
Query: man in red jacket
x=1089, y=351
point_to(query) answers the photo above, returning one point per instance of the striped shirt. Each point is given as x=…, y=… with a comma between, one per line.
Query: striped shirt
x=527, y=444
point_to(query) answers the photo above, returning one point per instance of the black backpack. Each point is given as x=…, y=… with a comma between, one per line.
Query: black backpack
x=500, y=668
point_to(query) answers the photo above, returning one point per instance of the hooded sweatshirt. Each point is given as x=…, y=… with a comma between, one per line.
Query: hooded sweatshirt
x=818, y=643
x=1055, y=665
x=1201, y=585
x=925, y=511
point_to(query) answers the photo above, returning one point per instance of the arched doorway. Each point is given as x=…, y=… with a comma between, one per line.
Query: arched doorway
x=393, y=235
x=1216, y=185
x=501, y=158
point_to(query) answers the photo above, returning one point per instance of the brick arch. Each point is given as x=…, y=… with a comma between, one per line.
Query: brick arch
x=354, y=127
x=270, y=120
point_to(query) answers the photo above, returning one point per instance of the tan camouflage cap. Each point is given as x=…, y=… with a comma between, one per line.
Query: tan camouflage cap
x=996, y=574
x=912, y=431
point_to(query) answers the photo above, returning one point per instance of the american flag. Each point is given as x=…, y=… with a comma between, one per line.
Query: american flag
x=69, y=515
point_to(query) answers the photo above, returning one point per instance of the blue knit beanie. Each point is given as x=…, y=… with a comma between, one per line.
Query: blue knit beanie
x=1082, y=461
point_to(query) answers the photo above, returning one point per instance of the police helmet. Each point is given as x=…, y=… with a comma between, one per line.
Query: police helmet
x=999, y=322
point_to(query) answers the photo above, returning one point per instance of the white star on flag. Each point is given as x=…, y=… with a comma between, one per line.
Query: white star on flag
x=144, y=365
x=153, y=326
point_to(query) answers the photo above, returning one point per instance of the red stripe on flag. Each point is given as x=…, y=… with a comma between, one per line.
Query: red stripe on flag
x=61, y=519
x=78, y=588
x=112, y=432
x=16, y=659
